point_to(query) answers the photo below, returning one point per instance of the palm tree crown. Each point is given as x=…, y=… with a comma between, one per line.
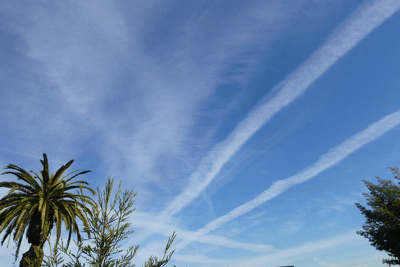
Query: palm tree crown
x=42, y=201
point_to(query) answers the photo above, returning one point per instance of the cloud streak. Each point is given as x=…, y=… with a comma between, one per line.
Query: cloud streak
x=147, y=221
x=359, y=24
x=286, y=255
x=331, y=158
x=306, y=248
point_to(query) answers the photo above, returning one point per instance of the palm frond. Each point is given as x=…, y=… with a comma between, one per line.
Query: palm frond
x=21, y=174
x=45, y=171
x=44, y=199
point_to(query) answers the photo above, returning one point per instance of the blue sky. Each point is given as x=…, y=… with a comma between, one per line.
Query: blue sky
x=245, y=126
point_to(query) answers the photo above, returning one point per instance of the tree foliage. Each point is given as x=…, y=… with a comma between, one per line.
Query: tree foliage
x=55, y=259
x=382, y=227
x=155, y=262
x=108, y=227
x=38, y=203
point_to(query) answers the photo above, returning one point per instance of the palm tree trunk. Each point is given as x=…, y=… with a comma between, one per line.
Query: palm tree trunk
x=33, y=257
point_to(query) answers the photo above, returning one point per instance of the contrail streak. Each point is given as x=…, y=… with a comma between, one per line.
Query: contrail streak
x=332, y=157
x=359, y=24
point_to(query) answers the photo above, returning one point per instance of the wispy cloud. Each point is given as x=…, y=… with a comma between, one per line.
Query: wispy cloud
x=176, y=84
x=360, y=23
x=144, y=220
x=324, y=263
x=292, y=226
x=96, y=78
x=288, y=255
x=370, y=261
x=95, y=81
x=70, y=51
x=198, y=259
x=332, y=157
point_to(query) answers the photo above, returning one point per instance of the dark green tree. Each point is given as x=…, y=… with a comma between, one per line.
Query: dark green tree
x=39, y=203
x=382, y=227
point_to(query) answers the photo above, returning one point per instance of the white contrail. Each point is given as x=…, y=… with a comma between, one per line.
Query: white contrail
x=276, y=257
x=163, y=228
x=332, y=157
x=291, y=253
x=286, y=255
x=359, y=24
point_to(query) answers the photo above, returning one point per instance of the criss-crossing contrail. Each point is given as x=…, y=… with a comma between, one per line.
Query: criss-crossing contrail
x=331, y=158
x=359, y=24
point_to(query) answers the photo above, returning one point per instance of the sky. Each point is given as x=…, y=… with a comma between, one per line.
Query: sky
x=246, y=127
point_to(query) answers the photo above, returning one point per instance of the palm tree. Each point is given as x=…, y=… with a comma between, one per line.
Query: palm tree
x=38, y=204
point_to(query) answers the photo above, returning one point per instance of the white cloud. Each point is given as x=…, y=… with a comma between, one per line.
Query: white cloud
x=288, y=255
x=291, y=227
x=332, y=157
x=196, y=258
x=367, y=260
x=144, y=220
x=72, y=49
x=334, y=207
x=359, y=24
x=175, y=84
x=324, y=263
